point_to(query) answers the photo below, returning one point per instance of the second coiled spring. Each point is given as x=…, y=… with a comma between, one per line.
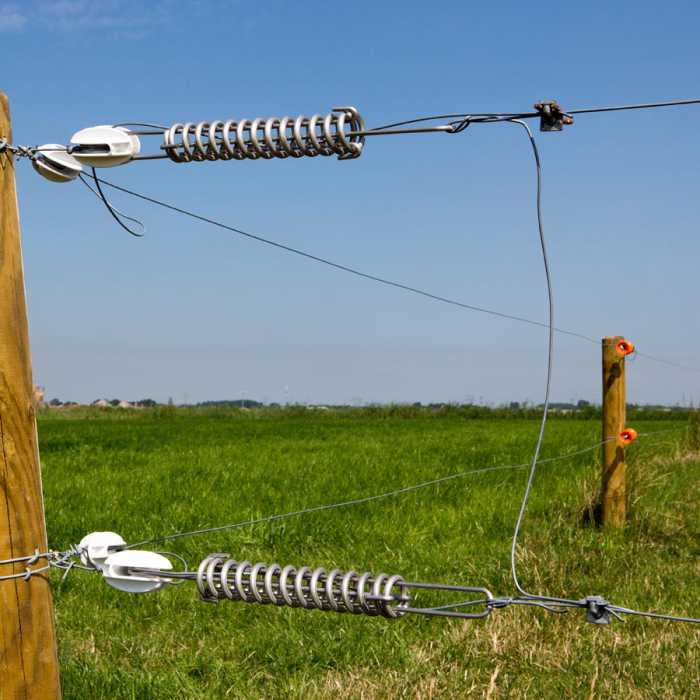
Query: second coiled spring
x=220, y=577
x=276, y=137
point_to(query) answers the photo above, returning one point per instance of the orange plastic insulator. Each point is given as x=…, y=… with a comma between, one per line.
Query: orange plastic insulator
x=624, y=347
x=628, y=435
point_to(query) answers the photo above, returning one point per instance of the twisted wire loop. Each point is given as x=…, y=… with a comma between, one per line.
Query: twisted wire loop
x=64, y=560
x=29, y=562
x=16, y=151
x=221, y=578
x=276, y=137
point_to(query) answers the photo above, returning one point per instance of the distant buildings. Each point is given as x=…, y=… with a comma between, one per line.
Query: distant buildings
x=114, y=403
x=98, y=403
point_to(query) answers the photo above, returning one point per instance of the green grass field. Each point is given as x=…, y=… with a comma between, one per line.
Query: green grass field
x=156, y=472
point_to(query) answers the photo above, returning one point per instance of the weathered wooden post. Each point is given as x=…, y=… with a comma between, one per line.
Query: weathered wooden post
x=612, y=498
x=28, y=659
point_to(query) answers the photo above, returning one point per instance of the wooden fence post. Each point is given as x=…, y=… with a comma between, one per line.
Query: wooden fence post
x=612, y=499
x=28, y=659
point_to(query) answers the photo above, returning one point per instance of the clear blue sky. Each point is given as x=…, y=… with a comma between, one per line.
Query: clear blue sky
x=195, y=313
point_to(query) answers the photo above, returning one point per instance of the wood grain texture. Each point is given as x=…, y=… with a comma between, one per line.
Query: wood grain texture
x=612, y=500
x=28, y=660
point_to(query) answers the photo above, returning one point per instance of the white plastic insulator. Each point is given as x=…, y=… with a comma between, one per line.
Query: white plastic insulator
x=96, y=548
x=53, y=162
x=117, y=570
x=104, y=146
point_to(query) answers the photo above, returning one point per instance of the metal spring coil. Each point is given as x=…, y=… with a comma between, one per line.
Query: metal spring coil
x=276, y=137
x=219, y=577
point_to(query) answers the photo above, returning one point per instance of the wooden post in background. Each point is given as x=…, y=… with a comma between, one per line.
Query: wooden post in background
x=28, y=660
x=612, y=498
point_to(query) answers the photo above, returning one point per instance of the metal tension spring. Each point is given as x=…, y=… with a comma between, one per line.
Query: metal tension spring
x=276, y=137
x=221, y=578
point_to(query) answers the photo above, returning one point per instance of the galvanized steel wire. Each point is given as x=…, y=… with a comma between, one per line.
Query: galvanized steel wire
x=342, y=134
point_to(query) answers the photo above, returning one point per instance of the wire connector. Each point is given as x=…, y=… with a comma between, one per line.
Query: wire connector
x=552, y=117
x=597, y=610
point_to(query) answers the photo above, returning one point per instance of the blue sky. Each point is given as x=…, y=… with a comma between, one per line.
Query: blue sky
x=195, y=313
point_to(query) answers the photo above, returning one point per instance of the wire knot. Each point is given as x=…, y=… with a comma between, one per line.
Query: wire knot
x=25, y=152
x=35, y=557
x=459, y=126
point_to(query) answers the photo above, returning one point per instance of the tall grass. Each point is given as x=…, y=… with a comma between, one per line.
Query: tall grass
x=154, y=472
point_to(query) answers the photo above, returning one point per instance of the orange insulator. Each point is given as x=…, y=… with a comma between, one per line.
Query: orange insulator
x=624, y=347
x=628, y=435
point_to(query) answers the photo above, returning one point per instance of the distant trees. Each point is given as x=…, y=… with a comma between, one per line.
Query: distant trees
x=234, y=403
x=57, y=403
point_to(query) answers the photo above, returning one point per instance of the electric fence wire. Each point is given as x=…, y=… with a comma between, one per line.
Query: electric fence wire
x=497, y=116
x=643, y=105
x=116, y=213
x=546, y=600
x=358, y=501
x=345, y=268
x=66, y=560
x=464, y=117
x=550, y=360
x=330, y=263
x=387, y=494
x=59, y=559
x=594, y=604
x=463, y=120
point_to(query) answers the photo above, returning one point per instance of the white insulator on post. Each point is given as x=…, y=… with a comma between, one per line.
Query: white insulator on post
x=104, y=146
x=118, y=572
x=53, y=162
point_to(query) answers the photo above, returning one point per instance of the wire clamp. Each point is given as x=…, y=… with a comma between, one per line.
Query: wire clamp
x=552, y=117
x=597, y=611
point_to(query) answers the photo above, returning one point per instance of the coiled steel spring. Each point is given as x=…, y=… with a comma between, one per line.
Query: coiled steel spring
x=220, y=577
x=276, y=137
